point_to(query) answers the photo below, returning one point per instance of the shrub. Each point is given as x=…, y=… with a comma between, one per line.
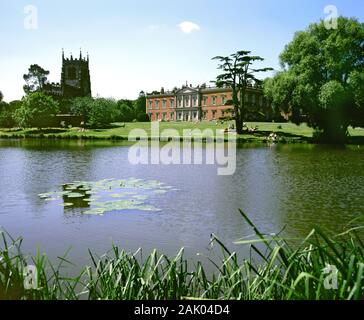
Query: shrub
x=102, y=112
x=37, y=110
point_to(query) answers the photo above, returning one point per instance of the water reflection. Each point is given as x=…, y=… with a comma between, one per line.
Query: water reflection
x=82, y=201
x=291, y=186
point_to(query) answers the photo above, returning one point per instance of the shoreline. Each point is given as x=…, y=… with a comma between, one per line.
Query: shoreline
x=238, y=140
x=287, y=133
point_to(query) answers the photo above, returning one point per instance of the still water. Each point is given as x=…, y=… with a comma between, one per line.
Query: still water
x=294, y=187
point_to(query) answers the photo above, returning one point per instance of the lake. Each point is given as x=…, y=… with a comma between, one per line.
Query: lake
x=290, y=187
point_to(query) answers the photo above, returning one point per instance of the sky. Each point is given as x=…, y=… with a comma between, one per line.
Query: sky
x=144, y=45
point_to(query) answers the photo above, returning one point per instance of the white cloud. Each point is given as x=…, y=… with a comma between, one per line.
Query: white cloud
x=188, y=26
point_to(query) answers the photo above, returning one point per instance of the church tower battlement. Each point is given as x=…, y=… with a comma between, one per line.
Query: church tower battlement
x=75, y=78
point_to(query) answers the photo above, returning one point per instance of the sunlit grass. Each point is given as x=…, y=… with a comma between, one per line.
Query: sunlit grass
x=288, y=132
x=276, y=270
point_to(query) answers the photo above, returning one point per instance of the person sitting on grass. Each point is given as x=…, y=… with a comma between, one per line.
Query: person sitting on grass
x=273, y=137
x=82, y=125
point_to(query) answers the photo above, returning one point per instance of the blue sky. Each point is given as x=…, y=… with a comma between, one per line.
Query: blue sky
x=139, y=45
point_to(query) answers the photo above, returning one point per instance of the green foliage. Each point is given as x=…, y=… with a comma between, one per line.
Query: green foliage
x=37, y=110
x=140, y=108
x=1, y=96
x=102, y=112
x=284, y=272
x=35, y=79
x=126, y=111
x=322, y=81
x=82, y=107
x=238, y=75
x=142, y=117
x=6, y=115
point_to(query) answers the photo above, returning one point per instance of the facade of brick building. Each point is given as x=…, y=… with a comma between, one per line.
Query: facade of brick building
x=199, y=103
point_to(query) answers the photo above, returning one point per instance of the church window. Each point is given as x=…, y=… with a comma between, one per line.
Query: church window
x=72, y=73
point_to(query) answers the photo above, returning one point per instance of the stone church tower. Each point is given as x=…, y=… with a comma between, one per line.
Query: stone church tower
x=75, y=79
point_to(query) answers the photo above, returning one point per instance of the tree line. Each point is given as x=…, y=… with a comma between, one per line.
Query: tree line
x=321, y=81
x=37, y=109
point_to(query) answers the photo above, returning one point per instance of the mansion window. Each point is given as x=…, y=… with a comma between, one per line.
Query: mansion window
x=179, y=115
x=187, y=102
x=214, y=100
x=180, y=102
x=204, y=100
x=164, y=104
x=164, y=115
x=195, y=115
x=195, y=101
x=204, y=115
x=214, y=114
x=172, y=103
x=223, y=113
x=157, y=104
x=222, y=99
x=157, y=116
x=150, y=104
x=171, y=117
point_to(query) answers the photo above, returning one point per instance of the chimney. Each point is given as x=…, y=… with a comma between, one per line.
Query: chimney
x=162, y=90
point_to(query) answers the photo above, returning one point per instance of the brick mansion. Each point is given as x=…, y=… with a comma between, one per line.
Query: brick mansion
x=200, y=103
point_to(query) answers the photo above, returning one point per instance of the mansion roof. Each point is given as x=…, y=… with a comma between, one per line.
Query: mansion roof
x=194, y=90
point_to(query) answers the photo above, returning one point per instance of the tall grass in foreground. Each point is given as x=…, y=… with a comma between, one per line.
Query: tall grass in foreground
x=283, y=272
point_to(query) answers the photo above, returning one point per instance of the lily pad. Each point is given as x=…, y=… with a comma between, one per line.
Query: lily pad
x=109, y=195
x=75, y=195
x=67, y=204
x=51, y=199
x=95, y=211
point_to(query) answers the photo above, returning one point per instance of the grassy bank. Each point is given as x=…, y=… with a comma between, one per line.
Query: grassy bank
x=287, y=132
x=283, y=273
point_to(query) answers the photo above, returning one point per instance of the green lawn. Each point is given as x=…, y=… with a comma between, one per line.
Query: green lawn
x=287, y=131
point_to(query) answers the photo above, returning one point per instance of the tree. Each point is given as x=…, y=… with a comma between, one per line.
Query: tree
x=102, y=113
x=238, y=75
x=35, y=79
x=5, y=114
x=126, y=111
x=322, y=81
x=37, y=110
x=82, y=107
x=140, y=107
x=1, y=96
x=7, y=111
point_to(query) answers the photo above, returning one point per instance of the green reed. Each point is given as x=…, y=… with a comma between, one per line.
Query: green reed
x=275, y=270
